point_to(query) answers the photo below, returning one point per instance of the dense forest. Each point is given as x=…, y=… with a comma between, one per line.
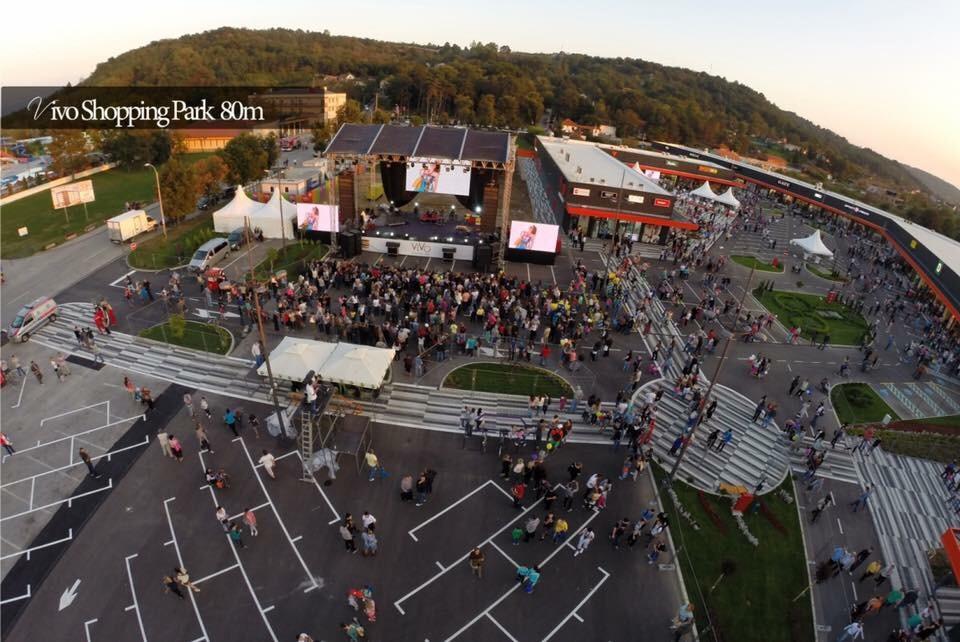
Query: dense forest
x=492, y=86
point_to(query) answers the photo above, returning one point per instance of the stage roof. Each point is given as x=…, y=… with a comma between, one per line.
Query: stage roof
x=453, y=143
x=585, y=163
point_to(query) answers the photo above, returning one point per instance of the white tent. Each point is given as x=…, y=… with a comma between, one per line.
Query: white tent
x=294, y=358
x=727, y=198
x=704, y=191
x=231, y=216
x=355, y=365
x=268, y=217
x=812, y=245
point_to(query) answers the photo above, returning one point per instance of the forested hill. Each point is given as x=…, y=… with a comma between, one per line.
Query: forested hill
x=491, y=85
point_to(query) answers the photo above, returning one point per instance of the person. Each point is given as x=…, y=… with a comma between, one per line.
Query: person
x=560, y=530
x=346, y=532
x=517, y=493
x=201, y=433
x=516, y=535
x=7, y=444
x=824, y=502
x=183, y=577
x=530, y=528
x=368, y=542
x=568, y=490
x=406, y=488
x=250, y=519
x=15, y=364
x=35, y=369
x=375, y=466
x=368, y=520
x=528, y=576
x=684, y=616
x=421, y=487
x=176, y=448
x=477, y=561
x=164, y=440
x=269, y=463
x=872, y=569
x=851, y=632
x=236, y=535
x=205, y=407
x=657, y=546
x=85, y=456
x=861, y=501
x=170, y=586
x=586, y=538
x=230, y=419
x=221, y=515
x=353, y=631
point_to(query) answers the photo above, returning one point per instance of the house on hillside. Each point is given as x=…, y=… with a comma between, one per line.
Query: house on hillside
x=574, y=130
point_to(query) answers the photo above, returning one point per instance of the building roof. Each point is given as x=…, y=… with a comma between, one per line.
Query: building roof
x=586, y=163
x=655, y=154
x=447, y=143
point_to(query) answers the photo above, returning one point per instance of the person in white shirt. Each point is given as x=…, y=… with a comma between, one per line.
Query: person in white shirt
x=586, y=538
x=851, y=631
x=269, y=463
x=368, y=520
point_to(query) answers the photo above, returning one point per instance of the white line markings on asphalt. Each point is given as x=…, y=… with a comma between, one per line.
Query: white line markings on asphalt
x=502, y=628
x=25, y=596
x=577, y=617
x=107, y=456
x=116, y=283
x=440, y=566
x=276, y=513
x=840, y=525
x=573, y=613
x=283, y=456
x=23, y=384
x=502, y=552
x=133, y=591
x=239, y=515
x=70, y=412
x=213, y=575
x=68, y=501
x=452, y=506
x=69, y=595
x=85, y=432
x=854, y=585
x=176, y=548
x=336, y=515
x=86, y=627
x=28, y=551
x=243, y=571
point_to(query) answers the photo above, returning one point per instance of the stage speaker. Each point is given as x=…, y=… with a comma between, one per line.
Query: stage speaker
x=392, y=247
x=448, y=253
x=482, y=257
x=347, y=245
x=357, y=244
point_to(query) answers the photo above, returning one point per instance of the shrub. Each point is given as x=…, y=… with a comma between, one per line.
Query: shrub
x=178, y=325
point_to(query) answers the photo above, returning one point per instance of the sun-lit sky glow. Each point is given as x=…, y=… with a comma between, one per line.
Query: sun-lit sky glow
x=883, y=74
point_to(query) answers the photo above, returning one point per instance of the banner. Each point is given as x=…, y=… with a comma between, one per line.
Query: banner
x=72, y=194
x=437, y=177
x=538, y=237
x=313, y=217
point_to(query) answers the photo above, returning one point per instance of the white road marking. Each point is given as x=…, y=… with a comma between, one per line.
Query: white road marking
x=133, y=591
x=115, y=284
x=452, y=506
x=213, y=575
x=30, y=550
x=573, y=613
x=69, y=595
x=70, y=412
x=25, y=596
x=501, y=627
x=440, y=566
x=840, y=525
x=86, y=627
x=502, y=552
x=577, y=617
x=23, y=384
x=336, y=515
x=176, y=547
x=69, y=501
x=107, y=456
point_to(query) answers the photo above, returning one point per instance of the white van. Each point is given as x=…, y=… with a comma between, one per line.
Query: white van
x=209, y=254
x=32, y=317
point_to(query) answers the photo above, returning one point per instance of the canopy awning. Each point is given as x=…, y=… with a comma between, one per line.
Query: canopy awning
x=232, y=215
x=727, y=198
x=704, y=191
x=294, y=358
x=343, y=363
x=812, y=245
x=275, y=217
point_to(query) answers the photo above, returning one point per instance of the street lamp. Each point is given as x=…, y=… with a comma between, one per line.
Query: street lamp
x=163, y=220
x=283, y=231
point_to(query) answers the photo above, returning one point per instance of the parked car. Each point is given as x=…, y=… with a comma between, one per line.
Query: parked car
x=237, y=238
x=32, y=317
x=209, y=254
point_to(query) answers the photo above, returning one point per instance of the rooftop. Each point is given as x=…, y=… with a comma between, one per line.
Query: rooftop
x=442, y=143
x=585, y=163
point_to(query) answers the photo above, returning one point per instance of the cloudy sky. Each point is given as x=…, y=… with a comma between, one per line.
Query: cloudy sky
x=883, y=74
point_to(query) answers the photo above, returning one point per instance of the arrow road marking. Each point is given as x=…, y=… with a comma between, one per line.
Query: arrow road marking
x=69, y=595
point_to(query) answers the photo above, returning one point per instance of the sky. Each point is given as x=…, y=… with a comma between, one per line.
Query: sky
x=883, y=74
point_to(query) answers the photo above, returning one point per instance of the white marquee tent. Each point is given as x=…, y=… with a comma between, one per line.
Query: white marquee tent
x=268, y=217
x=812, y=245
x=342, y=363
x=727, y=198
x=231, y=216
x=704, y=191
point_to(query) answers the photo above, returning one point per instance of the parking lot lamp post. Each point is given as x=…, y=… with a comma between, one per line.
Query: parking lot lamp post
x=163, y=220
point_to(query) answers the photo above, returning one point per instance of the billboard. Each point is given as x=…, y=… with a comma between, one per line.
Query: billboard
x=72, y=194
x=525, y=235
x=313, y=217
x=438, y=177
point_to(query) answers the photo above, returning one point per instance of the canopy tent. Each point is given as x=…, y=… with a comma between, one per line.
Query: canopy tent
x=355, y=365
x=270, y=220
x=294, y=358
x=704, y=191
x=727, y=198
x=342, y=363
x=232, y=215
x=812, y=245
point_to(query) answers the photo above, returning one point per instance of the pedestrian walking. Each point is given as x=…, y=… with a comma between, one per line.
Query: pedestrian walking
x=516, y=535
x=97, y=353
x=85, y=456
x=824, y=502
x=188, y=402
x=176, y=448
x=375, y=466
x=851, y=632
x=353, y=631
x=861, y=501
x=236, y=535
x=269, y=463
x=346, y=532
x=15, y=364
x=530, y=528
x=205, y=407
x=230, y=419
x=883, y=575
x=421, y=488
x=657, y=546
x=861, y=557
x=250, y=519
x=518, y=492
x=583, y=543
x=163, y=438
x=368, y=542
x=7, y=444
x=872, y=569
x=202, y=439
x=528, y=577
x=35, y=369
x=560, y=530
x=183, y=578
x=171, y=586
x=477, y=560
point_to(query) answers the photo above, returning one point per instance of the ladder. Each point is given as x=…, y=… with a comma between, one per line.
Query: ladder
x=307, y=433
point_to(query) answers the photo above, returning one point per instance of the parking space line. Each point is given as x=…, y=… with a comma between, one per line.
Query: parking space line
x=269, y=608
x=30, y=550
x=452, y=506
x=336, y=515
x=145, y=442
x=502, y=552
x=502, y=628
x=115, y=283
x=498, y=486
x=554, y=275
x=133, y=591
x=86, y=627
x=440, y=566
x=283, y=456
x=176, y=548
x=577, y=617
x=573, y=613
x=255, y=508
x=70, y=412
x=25, y=596
x=85, y=432
x=69, y=501
x=23, y=384
x=213, y=575
x=276, y=513
x=243, y=571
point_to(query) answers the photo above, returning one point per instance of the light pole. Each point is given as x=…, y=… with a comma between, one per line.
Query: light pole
x=283, y=230
x=163, y=220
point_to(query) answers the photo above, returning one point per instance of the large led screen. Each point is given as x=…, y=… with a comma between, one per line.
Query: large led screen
x=313, y=217
x=538, y=237
x=436, y=177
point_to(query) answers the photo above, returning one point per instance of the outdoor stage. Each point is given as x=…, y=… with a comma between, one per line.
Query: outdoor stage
x=409, y=236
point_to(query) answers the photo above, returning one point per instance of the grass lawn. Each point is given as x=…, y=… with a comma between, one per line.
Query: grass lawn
x=925, y=445
x=752, y=261
x=755, y=601
x=950, y=421
x=825, y=273
x=814, y=316
x=46, y=225
x=182, y=241
x=199, y=336
x=509, y=379
x=290, y=258
x=858, y=403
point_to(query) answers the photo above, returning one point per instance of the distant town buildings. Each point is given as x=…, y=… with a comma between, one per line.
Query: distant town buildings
x=581, y=132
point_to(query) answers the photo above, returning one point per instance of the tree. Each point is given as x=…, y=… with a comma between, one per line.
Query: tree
x=381, y=117
x=246, y=158
x=68, y=151
x=486, y=110
x=210, y=173
x=349, y=113
x=271, y=145
x=159, y=146
x=179, y=188
x=463, y=108
x=132, y=149
x=321, y=135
